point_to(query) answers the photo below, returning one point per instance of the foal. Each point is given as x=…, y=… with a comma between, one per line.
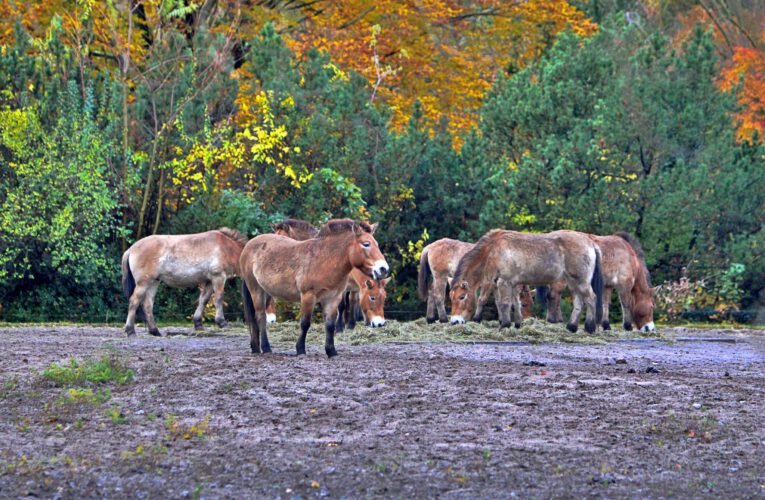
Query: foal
x=310, y=271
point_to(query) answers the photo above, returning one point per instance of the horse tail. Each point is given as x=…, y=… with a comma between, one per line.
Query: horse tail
x=128, y=284
x=248, y=305
x=597, y=286
x=543, y=294
x=422, y=276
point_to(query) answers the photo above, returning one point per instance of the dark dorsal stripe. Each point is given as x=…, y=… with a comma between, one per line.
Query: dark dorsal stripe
x=234, y=235
x=337, y=226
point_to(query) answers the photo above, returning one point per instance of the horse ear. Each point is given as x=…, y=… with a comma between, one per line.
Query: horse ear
x=369, y=284
x=464, y=285
x=276, y=226
x=374, y=227
x=655, y=290
x=357, y=229
x=385, y=281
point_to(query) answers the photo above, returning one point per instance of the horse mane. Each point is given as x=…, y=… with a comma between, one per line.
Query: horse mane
x=474, y=253
x=336, y=226
x=298, y=224
x=635, y=244
x=234, y=235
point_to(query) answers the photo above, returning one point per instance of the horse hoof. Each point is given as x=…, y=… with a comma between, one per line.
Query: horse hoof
x=589, y=326
x=477, y=319
x=198, y=325
x=443, y=320
x=627, y=325
x=130, y=331
x=266, y=349
x=430, y=320
x=331, y=351
x=155, y=332
x=255, y=350
x=517, y=325
x=222, y=323
x=571, y=327
x=504, y=325
x=606, y=325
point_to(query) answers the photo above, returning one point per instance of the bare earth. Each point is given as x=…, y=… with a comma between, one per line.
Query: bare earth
x=205, y=418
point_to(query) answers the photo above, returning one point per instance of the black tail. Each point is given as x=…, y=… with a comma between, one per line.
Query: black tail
x=597, y=287
x=249, y=307
x=542, y=295
x=422, y=276
x=128, y=285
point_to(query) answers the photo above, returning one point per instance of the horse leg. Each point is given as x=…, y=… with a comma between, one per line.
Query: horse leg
x=439, y=293
x=554, y=296
x=330, y=313
x=430, y=314
x=204, y=295
x=583, y=296
x=307, y=302
x=353, y=303
x=517, y=313
x=261, y=317
x=483, y=298
x=218, y=286
x=606, y=306
x=626, y=311
x=342, y=309
x=136, y=299
x=503, y=298
x=148, y=308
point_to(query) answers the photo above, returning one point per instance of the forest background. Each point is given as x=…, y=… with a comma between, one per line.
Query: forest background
x=434, y=118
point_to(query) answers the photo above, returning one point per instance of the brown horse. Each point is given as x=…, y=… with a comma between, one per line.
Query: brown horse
x=624, y=269
x=527, y=259
x=439, y=260
x=365, y=295
x=296, y=229
x=180, y=261
x=308, y=272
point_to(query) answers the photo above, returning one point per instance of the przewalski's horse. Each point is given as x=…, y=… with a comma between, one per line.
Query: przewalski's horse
x=296, y=229
x=180, y=261
x=624, y=269
x=308, y=272
x=532, y=259
x=365, y=294
x=439, y=260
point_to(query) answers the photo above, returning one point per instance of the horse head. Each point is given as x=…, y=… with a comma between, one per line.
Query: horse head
x=372, y=301
x=364, y=252
x=463, y=302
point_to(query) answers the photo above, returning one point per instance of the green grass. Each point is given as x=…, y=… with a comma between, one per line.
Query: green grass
x=106, y=369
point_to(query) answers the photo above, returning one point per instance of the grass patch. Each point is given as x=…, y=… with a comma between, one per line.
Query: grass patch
x=105, y=370
x=532, y=330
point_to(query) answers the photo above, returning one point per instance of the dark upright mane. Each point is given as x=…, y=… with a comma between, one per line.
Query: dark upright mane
x=336, y=226
x=234, y=235
x=635, y=244
x=473, y=254
x=300, y=225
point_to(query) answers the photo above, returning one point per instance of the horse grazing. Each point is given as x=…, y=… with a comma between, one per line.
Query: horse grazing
x=365, y=295
x=308, y=272
x=440, y=260
x=297, y=230
x=624, y=269
x=180, y=261
x=531, y=259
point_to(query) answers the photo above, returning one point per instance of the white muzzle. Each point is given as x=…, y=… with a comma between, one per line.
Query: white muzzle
x=457, y=320
x=376, y=321
x=270, y=318
x=648, y=327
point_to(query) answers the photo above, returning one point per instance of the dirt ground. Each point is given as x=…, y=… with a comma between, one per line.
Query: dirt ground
x=206, y=419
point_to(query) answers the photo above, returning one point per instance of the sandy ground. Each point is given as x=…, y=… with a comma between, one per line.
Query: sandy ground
x=205, y=418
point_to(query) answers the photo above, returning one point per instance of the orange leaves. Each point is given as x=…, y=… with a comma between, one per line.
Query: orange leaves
x=444, y=53
x=748, y=64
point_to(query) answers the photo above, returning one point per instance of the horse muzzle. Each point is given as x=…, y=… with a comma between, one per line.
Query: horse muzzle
x=376, y=321
x=380, y=270
x=648, y=327
x=457, y=320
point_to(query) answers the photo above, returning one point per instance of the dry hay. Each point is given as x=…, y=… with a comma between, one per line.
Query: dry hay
x=533, y=330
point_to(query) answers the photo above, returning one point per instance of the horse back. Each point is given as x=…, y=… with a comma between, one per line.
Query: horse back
x=445, y=254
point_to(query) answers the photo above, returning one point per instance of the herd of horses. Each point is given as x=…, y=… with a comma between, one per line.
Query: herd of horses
x=340, y=266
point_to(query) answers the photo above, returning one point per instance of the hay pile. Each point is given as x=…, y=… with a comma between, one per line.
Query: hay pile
x=533, y=330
